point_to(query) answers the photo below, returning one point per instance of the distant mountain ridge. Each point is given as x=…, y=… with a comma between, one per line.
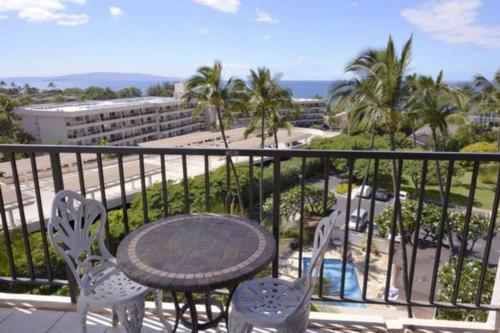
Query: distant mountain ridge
x=94, y=76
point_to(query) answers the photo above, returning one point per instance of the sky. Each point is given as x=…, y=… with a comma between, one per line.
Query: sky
x=302, y=39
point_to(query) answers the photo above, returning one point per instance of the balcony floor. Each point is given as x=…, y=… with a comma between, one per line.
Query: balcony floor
x=44, y=321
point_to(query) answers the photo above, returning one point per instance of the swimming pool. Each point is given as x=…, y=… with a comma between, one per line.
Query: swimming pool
x=333, y=272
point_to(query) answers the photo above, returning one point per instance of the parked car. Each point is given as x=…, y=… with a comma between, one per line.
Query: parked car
x=403, y=195
x=382, y=195
x=362, y=219
x=365, y=192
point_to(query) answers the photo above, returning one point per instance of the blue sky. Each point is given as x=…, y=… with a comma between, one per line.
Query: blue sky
x=305, y=40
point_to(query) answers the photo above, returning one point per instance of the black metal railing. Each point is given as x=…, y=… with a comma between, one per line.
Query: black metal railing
x=274, y=159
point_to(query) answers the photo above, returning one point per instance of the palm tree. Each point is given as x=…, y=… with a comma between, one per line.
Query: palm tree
x=266, y=99
x=210, y=91
x=431, y=102
x=377, y=93
x=489, y=96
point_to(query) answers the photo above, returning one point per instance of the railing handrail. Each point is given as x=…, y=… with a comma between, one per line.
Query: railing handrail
x=308, y=153
x=277, y=156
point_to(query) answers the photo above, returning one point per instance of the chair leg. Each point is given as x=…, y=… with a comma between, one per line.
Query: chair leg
x=114, y=321
x=131, y=315
x=83, y=309
x=238, y=324
x=159, y=310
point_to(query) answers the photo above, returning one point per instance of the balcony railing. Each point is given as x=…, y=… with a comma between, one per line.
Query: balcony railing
x=274, y=159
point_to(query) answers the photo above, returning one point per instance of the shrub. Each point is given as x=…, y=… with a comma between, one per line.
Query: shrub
x=467, y=292
x=488, y=173
x=291, y=199
x=480, y=147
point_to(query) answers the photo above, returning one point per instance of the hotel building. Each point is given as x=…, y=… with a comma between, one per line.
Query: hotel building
x=130, y=121
x=126, y=121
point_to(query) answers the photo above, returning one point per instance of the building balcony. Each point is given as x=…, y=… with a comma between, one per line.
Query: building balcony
x=367, y=284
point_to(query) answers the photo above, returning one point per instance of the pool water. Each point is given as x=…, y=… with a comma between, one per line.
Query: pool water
x=333, y=272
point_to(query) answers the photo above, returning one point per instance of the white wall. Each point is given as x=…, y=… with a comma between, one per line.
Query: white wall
x=52, y=129
x=30, y=126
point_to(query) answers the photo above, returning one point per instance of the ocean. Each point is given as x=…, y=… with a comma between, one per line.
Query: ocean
x=300, y=89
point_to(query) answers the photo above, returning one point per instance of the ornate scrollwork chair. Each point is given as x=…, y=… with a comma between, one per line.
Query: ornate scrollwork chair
x=76, y=232
x=279, y=304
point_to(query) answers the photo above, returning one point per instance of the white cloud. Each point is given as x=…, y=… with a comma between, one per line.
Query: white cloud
x=453, y=21
x=203, y=31
x=227, y=6
x=3, y=17
x=115, y=11
x=265, y=17
x=44, y=11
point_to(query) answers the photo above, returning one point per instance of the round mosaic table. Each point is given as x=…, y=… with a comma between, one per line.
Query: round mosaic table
x=196, y=254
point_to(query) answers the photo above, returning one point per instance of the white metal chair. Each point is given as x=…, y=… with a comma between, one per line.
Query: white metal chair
x=101, y=283
x=279, y=304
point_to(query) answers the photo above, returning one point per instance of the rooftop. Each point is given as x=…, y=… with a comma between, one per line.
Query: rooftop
x=114, y=103
x=99, y=105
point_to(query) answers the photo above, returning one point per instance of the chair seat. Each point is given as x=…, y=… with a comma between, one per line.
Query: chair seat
x=267, y=302
x=116, y=289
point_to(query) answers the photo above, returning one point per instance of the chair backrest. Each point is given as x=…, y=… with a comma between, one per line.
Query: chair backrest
x=71, y=234
x=322, y=237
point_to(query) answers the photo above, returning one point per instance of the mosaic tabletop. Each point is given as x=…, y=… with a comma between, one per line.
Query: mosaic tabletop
x=195, y=252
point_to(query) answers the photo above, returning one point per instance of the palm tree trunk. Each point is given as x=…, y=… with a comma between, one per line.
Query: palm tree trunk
x=414, y=138
x=233, y=167
x=395, y=179
x=261, y=171
x=441, y=189
x=365, y=177
x=275, y=134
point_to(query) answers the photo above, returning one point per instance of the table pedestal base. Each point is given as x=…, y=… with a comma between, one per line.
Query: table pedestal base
x=190, y=305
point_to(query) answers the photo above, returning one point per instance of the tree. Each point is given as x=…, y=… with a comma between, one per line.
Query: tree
x=377, y=93
x=429, y=223
x=478, y=228
x=488, y=98
x=7, y=109
x=210, y=91
x=129, y=92
x=165, y=89
x=51, y=86
x=266, y=98
x=59, y=98
x=431, y=102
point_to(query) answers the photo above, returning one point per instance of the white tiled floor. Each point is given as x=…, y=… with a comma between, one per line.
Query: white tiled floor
x=18, y=320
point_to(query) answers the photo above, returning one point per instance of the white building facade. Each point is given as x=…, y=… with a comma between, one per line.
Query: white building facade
x=120, y=122
x=130, y=121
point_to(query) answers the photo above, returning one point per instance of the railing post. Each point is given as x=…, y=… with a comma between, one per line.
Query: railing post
x=276, y=211
x=57, y=178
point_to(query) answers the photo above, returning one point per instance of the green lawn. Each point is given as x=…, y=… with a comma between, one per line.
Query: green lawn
x=459, y=192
